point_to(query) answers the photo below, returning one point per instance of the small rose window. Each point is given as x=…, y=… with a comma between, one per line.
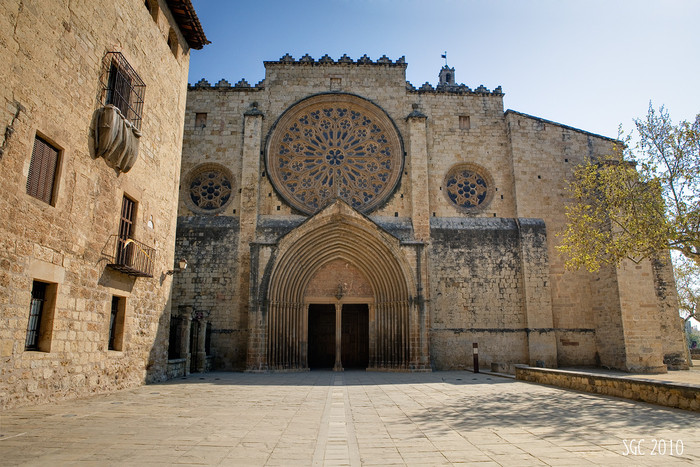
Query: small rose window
x=469, y=187
x=210, y=188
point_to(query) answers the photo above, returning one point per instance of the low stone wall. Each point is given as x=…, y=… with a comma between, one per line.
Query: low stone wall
x=176, y=367
x=695, y=354
x=655, y=392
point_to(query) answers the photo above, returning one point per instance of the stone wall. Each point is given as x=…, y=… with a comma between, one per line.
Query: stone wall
x=544, y=155
x=476, y=294
x=681, y=396
x=52, y=54
x=489, y=286
x=209, y=285
x=494, y=268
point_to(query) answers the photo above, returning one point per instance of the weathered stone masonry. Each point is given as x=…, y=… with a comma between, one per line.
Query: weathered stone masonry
x=428, y=213
x=105, y=316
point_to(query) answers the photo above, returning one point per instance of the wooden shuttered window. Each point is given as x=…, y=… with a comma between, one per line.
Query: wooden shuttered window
x=42, y=171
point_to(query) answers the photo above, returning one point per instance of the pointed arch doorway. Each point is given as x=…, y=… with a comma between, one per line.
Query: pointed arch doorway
x=337, y=284
x=338, y=298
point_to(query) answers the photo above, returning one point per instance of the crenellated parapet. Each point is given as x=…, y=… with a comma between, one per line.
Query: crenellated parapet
x=241, y=85
x=453, y=89
x=287, y=59
x=444, y=87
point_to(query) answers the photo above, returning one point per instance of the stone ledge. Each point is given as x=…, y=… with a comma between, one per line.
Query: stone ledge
x=681, y=396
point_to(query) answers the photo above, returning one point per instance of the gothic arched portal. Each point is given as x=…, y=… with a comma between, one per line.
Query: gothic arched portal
x=339, y=258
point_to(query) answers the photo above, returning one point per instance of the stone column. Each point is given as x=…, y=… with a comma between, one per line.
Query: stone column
x=418, y=158
x=338, y=335
x=201, y=361
x=373, y=336
x=249, y=199
x=185, y=340
x=256, y=359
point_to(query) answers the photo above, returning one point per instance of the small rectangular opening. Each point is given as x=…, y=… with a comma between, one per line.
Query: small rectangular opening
x=41, y=313
x=464, y=122
x=200, y=120
x=116, y=323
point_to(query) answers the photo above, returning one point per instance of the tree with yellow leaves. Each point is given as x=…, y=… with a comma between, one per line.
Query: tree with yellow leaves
x=639, y=202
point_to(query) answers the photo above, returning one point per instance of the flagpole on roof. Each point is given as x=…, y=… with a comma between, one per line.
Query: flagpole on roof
x=445, y=57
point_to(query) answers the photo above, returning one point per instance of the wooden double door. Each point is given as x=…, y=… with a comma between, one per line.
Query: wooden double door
x=354, y=343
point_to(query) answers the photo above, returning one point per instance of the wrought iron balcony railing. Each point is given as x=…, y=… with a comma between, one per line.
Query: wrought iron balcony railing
x=131, y=257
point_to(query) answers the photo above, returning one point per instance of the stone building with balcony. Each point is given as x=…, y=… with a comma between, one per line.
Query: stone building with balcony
x=336, y=216
x=91, y=120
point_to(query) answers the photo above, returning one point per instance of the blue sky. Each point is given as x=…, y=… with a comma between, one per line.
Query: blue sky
x=589, y=64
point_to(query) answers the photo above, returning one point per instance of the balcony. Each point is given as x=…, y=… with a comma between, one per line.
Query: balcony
x=130, y=256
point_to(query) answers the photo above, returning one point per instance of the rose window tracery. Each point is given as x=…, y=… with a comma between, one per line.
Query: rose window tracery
x=209, y=188
x=468, y=187
x=334, y=146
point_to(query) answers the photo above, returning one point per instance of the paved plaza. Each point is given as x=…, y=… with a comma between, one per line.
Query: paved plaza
x=350, y=418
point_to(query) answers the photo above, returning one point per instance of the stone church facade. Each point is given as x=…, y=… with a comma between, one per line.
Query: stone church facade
x=335, y=216
x=92, y=106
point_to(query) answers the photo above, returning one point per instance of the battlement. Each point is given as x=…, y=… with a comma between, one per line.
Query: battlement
x=222, y=84
x=453, y=89
x=344, y=60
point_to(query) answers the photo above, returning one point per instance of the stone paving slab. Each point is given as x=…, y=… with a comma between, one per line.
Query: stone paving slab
x=350, y=418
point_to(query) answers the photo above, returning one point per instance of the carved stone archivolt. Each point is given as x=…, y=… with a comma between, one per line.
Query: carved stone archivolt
x=334, y=146
x=469, y=187
x=209, y=188
x=339, y=257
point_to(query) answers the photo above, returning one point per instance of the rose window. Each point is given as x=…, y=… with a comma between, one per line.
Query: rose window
x=468, y=187
x=334, y=146
x=210, y=189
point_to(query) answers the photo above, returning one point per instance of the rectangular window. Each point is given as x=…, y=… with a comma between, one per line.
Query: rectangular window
x=200, y=120
x=464, y=122
x=122, y=87
x=116, y=323
x=40, y=324
x=42, y=171
x=125, y=249
x=35, y=311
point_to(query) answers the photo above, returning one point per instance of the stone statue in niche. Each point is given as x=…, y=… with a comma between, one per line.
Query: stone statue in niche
x=115, y=139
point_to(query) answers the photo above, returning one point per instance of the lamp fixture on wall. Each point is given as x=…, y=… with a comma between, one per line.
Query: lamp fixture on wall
x=182, y=265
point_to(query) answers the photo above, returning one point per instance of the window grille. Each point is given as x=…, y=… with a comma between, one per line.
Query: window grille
x=122, y=87
x=42, y=171
x=36, y=309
